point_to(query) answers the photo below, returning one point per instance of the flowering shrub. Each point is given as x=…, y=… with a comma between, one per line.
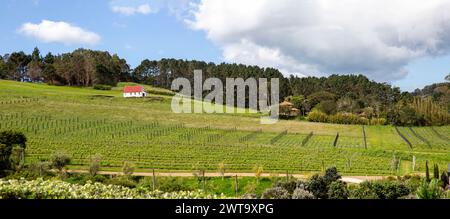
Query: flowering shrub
x=55, y=189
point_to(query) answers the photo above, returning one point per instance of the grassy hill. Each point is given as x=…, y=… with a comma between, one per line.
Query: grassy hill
x=84, y=122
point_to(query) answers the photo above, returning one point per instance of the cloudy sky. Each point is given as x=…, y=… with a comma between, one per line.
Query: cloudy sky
x=403, y=42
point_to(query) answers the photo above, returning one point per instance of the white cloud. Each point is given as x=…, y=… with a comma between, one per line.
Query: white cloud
x=374, y=37
x=129, y=10
x=59, y=32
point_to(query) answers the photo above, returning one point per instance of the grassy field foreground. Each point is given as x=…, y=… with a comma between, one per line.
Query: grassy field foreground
x=84, y=122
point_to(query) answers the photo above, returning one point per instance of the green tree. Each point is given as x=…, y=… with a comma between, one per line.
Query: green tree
x=94, y=165
x=298, y=102
x=11, y=141
x=16, y=65
x=59, y=160
x=35, y=66
x=3, y=71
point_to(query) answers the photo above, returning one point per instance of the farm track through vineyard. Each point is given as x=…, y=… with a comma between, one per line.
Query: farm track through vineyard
x=149, y=135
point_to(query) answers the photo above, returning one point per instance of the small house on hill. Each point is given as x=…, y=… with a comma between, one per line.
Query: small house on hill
x=134, y=91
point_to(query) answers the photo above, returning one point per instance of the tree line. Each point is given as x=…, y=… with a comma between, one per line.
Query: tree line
x=336, y=95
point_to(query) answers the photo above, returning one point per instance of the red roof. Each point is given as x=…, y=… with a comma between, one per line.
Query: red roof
x=133, y=89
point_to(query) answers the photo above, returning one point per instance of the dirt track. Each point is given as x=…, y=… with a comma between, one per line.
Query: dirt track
x=348, y=179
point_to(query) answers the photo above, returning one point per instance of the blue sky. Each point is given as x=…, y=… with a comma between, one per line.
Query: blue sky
x=154, y=29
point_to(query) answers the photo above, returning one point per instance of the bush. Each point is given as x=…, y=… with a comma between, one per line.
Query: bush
x=124, y=181
x=275, y=193
x=9, y=141
x=362, y=191
x=379, y=190
x=302, y=194
x=430, y=190
x=39, y=168
x=318, y=187
x=59, y=160
x=290, y=186
x=338, y=190
x=348, y=118
x=171, y=184
x=317, y=116
x=94, y=165
x=102, y=87
x=327, y=106
x=378, y=121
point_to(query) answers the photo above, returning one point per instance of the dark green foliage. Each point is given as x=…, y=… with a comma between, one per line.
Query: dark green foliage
x=102, y=87
x=326, y=106
x=8, y=141
x=338, y=190
x=427, y=172
x=331, y=175
x=379, y=190
x=319, y=185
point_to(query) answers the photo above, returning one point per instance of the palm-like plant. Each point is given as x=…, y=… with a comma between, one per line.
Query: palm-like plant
x=430, y=190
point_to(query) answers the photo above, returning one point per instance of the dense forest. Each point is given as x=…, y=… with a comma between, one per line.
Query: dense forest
x=348, y=99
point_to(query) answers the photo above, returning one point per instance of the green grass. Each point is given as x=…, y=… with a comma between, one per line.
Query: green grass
x=84, y=122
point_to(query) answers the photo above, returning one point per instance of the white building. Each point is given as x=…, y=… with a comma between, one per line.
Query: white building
x=134, y=91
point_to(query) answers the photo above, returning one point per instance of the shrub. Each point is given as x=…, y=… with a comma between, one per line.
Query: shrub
x=302, y=194
x=363, y=191
x=317, y=116
x=327, y=106
x=379, y=190
x=59, y=160
x=94, y=165
x=171, y=184
x=348, y=118
x=331, y=175
x=102, y=87
x=124, y=181
x=275, y=193
x=378, y=121
x=10, y=140
x=290, y=186
x=318, y=187
x=430, y=190
x=39, y=168
x=338, y=190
